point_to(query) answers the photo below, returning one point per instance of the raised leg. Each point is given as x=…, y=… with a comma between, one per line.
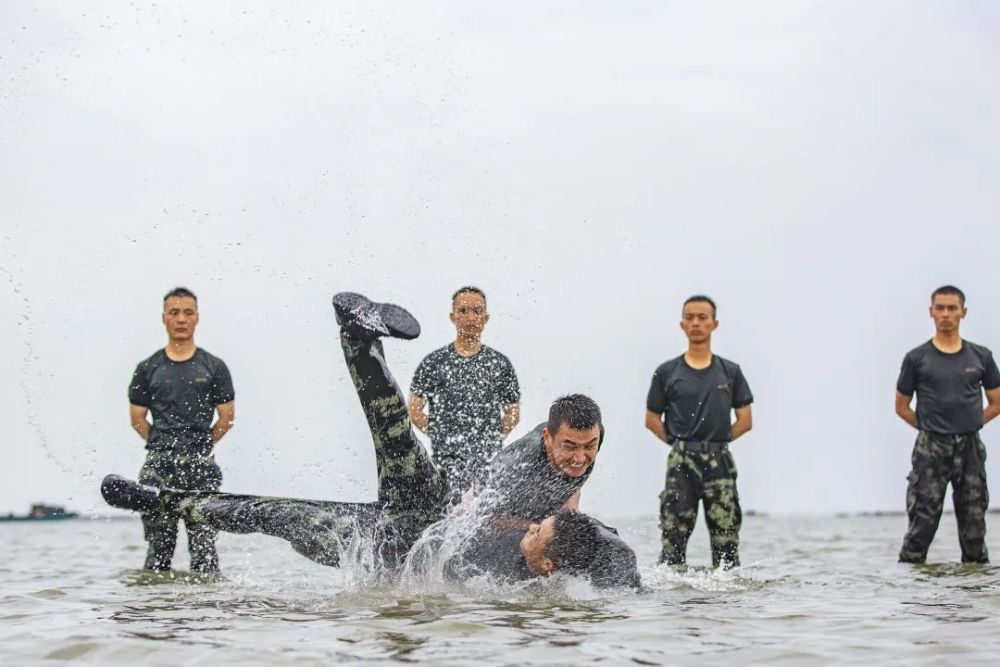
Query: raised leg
x=316, y=529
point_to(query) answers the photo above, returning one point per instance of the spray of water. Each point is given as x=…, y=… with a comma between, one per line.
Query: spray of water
x=27, y=363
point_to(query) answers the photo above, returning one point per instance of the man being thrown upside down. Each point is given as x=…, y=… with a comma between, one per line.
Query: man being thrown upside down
x=532, y=526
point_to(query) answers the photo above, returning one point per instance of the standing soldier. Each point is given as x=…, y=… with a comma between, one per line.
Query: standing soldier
x=948, y=375
x=183, y=386
x=688, y=407
x=473, y=396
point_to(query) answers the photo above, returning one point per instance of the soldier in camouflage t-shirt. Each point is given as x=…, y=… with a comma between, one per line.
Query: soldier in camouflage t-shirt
x=471, y=393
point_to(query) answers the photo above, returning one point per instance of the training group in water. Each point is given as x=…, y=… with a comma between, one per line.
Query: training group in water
x=511, y=511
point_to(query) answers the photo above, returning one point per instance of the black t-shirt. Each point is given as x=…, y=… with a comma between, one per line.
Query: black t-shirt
x=526, y=483
x=497, y=552
x=466, y=397
x=697, y=403
x=492, y=551
x=181, y=395
x=948, y=386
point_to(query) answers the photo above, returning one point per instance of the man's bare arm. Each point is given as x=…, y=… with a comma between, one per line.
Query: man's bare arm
x=416, y=409
x=137, y=417
x=573, y=502
x=655, y=424
x=744, y=421
x=904, y=410
x=511, y=416
x=509, y=523
x=992, y=405
x=227, y=417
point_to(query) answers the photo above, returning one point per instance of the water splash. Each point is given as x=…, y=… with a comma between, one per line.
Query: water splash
x=435, y=557
x=27, y=363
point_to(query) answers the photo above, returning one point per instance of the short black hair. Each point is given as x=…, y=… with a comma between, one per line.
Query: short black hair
x=468, y=289
x=574, y=541
x=949, y=289
x=576, y=411
x=179, y=292
x=701, y=298
x=582, y=545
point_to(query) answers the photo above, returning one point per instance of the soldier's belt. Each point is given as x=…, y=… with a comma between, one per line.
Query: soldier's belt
x=702, y=447
x=950, y=436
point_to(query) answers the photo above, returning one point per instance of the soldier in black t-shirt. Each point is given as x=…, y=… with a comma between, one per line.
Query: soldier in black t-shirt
x=948, y=376
x=183, y=386
x=688, y=407
x=471, y=393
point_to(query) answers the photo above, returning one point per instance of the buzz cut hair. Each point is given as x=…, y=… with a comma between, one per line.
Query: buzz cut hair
x=576, y=411
x=468, y=289
x=180, y=292
x=949, y=290
x=701, y=298
x=574, y=542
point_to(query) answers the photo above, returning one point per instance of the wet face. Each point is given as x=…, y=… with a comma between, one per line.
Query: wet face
x=698, y=321
x=468, y=314
x=180, y=317
x=533, y=546
x=947, y=311
x=571, y=450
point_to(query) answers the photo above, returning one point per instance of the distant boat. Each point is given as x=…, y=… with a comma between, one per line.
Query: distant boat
x=42, y=512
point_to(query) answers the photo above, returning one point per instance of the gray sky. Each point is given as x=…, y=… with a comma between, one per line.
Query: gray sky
x=817, y=167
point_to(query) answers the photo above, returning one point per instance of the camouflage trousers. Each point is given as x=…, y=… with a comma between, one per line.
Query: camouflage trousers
x=938, y=460
x=412, y=493
x=711, y=479
x=179, y=470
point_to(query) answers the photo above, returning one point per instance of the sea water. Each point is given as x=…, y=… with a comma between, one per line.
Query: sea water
x=813, y=590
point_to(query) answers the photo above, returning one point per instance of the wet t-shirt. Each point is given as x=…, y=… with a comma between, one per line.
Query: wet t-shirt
x=493, y=552
x=466, y=397
x=181, y=396
x=527, y=485
x=697, y=403
x=949, y=387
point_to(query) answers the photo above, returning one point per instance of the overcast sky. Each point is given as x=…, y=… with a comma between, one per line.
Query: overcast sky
x=817, y=167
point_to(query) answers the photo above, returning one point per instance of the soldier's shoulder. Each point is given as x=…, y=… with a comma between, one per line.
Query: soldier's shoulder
x=728, y=365
x=669, y=366
x=496, y=355
x=979, y=350
x=920, y=351
x=210, y=359
x=153, y=360
x=522, y=446
x=437, y=355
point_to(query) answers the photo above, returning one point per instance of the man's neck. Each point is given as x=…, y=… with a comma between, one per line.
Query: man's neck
x=466, y=346
x=699, y=355
x=947, y=341
x=180, y=350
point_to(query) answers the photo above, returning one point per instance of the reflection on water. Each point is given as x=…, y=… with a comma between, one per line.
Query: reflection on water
x=806, y=596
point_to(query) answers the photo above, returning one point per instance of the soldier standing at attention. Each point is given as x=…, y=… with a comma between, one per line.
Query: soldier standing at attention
x=688, y=407
x=183, y=386
x=948, y=375
x=472, y=394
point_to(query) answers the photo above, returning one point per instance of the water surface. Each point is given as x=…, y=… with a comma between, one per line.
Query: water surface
x=813, y=591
